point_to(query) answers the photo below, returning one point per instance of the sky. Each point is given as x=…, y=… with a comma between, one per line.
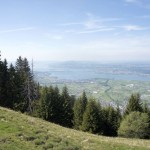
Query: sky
x=78, y=30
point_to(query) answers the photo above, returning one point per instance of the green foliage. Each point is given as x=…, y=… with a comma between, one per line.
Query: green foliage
x=24, y=85
x=84, y=100
x=78, y=114
x=111, y=121
x=54, y=107
x=17, y=86
x=43, y=104
x=67, y=114
x=12, y=88
x=146, y=108
x=135, y=125
x=92, y=118
x=134, y=104
x=4, y=83
x=79, y=109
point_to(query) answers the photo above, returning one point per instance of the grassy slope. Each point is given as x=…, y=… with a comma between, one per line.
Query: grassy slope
x=21, y=132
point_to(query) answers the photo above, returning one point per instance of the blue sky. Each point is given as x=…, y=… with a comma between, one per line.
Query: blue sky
x=62, y=30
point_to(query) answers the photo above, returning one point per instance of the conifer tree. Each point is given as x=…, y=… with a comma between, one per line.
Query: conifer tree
x=1, y=68
x=111, y=121
x=84, y=100
x=50, y=107
x=145, y=108
x=72, y=99
x=1, y=74
x=43, y=104
x=91, y=119
x=12, y=88
x=1, y=82
x=4, y=93
x=57, y=107
x=51, y=104
x=67, y=115
x=134, y=104
x=119, y=116
x=78, y=114
x=79, y=109
x=7, y=85
x=27, y=88
x=21, y=76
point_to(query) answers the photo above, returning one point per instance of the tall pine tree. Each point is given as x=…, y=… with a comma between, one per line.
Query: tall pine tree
x=92, y=119
x=12, y=88
x=111, y=121
x=27, y=88
x=134, y=104
x=67, y=114
x=79, y=109
x=43, y=110
x=4, y=84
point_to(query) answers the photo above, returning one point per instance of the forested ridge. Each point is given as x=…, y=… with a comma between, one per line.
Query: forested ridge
x=20, y=92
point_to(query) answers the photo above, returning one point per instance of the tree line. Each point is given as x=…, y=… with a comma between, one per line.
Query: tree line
x=19, y=91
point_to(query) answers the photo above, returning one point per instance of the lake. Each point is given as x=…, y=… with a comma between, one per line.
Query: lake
x=91, y=70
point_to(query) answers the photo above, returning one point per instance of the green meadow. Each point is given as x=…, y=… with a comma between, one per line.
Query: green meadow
x=21, y=132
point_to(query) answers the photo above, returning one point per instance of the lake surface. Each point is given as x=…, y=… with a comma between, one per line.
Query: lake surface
x=91, y=70
x=82, y=75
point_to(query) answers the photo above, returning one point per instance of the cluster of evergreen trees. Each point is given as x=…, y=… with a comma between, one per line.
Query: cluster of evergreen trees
x=20, y=92
x=55, y=107
x=90, y=116
x=81, y=113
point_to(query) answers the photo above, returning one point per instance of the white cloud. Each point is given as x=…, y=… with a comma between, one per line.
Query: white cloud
x=92, y=24
x=72, y=23
x=54, y=36
x=132, y=1
x=143, y=17
x=95, y=31
x=17, y=30
x=57, y=37
x=140, y=3
x=70, y=31
x=132, y=28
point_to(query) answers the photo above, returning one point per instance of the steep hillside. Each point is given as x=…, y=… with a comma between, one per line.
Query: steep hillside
x=22, y=132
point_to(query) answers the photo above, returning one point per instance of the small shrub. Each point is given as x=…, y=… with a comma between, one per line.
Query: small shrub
x=48, y=146
x=135, y=125
x=5, y=140
x=38, y=131
x=39, y=142
x=57, y=140
x=30, y=138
